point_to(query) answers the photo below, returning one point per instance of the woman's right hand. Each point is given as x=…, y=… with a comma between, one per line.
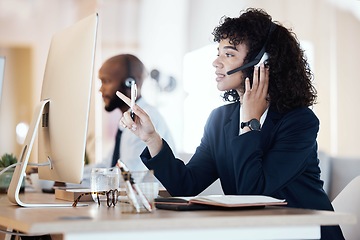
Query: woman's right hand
x=254, y=100
x=141, y=126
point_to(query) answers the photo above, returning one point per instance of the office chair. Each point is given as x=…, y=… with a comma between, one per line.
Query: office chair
x=348, y=200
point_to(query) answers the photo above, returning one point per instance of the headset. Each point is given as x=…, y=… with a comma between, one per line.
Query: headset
x=260, y=58
x=130, y=79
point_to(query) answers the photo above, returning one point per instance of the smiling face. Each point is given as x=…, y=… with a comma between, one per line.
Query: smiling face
x=230, y=57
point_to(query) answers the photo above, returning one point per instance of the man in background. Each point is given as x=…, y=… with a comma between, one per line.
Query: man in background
x=116, y=74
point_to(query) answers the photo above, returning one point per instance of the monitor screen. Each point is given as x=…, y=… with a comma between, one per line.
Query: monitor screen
x=61, y=117
x=67, y=86
x=2, y=70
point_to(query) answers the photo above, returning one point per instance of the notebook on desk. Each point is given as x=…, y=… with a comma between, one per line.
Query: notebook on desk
x=220, y=202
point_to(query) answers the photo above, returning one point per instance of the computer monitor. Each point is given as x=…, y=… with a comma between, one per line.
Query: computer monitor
x=2, y=70
x=61, y=117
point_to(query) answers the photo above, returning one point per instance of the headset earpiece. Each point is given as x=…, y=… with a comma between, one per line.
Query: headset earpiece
x=130, y=79
x=263, y=60
x=261, y=57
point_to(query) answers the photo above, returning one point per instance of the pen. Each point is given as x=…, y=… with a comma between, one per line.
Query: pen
x=143, y=199
x=133, y=99
x=130, y=180
x=132, y=196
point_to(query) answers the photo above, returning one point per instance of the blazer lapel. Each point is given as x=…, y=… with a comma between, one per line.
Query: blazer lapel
x=272, y=118
x=231, y=128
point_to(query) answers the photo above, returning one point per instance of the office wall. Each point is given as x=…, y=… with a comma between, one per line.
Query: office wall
x=161, y=32
x=26, y=28
x=16, y=97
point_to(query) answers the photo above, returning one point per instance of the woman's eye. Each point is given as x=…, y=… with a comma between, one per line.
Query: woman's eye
x=229, y=55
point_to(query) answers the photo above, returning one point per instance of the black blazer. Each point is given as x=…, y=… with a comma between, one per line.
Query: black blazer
x=279, y=161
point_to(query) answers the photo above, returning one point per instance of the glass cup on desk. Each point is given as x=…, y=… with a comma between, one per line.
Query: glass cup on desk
x=104, y=179
x=136, y=183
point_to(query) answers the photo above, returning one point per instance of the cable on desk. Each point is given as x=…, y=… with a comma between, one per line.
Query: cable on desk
x=30, y=164
x=8, y=167
x=23, y=234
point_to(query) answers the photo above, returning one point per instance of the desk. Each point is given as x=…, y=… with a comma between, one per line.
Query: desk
x=93, y=222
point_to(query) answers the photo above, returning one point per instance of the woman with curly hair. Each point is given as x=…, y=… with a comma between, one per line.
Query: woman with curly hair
x=264, y=142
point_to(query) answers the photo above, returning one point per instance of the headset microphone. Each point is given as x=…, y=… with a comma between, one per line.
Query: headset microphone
x=260, y=58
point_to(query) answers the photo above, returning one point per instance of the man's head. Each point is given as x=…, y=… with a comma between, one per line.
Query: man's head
x=114, y=74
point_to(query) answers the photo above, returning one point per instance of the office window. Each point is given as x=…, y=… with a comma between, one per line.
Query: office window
x=202, y=95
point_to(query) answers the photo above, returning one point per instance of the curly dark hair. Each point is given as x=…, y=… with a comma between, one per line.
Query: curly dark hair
x=290, y=84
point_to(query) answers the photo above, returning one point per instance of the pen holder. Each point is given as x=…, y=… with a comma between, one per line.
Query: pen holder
x=148, y=185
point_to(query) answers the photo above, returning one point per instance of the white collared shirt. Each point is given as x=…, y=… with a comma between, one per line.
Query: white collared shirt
x=132, y=146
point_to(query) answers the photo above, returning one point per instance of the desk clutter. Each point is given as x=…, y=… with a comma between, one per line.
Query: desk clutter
x=132, y=191
x=138, y=192
x=71, y=194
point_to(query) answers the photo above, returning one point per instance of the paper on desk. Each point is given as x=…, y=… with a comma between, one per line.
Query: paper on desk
x=224, y=200
x=237, y=200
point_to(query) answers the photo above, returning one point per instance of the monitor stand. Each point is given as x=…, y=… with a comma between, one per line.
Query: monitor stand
x=19, y=173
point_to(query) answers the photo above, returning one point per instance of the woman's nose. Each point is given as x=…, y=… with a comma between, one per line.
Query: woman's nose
x=216, y=63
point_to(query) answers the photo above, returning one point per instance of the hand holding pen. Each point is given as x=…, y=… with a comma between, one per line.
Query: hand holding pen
x=142, y=126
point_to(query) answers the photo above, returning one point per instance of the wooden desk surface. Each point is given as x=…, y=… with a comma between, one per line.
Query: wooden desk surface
x=94, y=218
